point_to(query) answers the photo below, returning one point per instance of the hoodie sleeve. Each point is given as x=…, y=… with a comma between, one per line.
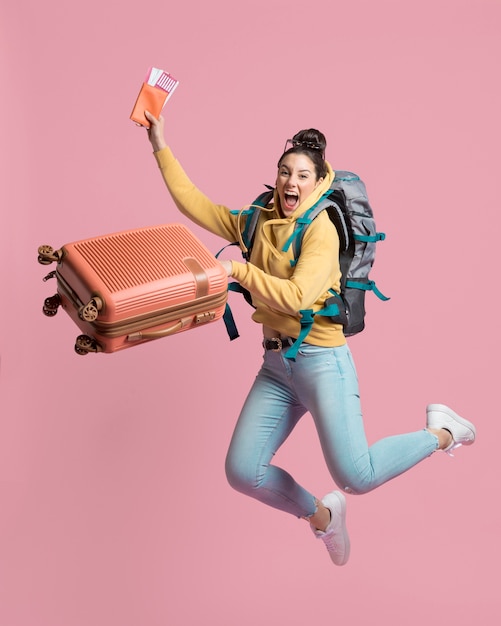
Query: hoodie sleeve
x=316, y=271
x=215, y=218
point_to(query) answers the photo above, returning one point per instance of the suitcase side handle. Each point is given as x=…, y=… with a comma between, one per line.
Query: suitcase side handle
x=164, y=332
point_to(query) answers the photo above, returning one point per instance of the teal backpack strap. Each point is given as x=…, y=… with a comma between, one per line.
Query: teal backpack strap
x=307, y=318
x=252, y=219
x=228, y=318
x=247, y=236
x=250, y=225
x=370, y=238
x=229, y=322
x=303, y=222
x=368, y=285
x=306, y=324
x=249, y=230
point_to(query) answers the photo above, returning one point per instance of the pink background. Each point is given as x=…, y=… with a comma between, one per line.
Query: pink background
x=114, y=505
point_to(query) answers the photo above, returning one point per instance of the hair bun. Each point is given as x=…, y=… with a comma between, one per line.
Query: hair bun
x=311, y=139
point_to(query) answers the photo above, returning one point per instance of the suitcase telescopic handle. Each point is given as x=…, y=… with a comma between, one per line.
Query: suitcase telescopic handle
x=164, y=332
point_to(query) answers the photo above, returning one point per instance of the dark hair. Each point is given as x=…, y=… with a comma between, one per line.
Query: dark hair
x=312, y=143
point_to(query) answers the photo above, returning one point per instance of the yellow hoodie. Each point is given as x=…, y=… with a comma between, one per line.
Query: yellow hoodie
x=279, y=291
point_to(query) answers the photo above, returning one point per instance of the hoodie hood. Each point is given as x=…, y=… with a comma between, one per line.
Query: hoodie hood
x=277, y=229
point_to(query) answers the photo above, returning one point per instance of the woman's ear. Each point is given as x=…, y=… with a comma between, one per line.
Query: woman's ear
x=319, y=181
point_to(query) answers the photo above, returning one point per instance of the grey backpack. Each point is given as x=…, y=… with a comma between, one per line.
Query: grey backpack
x=348, y=207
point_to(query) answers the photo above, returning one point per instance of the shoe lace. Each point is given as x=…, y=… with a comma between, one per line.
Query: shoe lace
x=330, y=542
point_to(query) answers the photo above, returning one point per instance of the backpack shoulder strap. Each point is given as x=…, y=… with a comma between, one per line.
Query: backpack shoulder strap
x=252, y=218
x=250, y=224
x=247, y=237
x=332, y=203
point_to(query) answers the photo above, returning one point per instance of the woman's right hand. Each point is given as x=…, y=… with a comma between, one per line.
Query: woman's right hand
x=156, y=131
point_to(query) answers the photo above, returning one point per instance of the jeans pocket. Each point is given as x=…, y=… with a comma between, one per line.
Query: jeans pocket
x=308, y=350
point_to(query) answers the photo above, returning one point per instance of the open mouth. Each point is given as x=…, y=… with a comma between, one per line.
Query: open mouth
x=291, y=200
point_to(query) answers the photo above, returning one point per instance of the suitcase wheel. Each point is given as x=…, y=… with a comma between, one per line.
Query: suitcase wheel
x=85, y=344
x=51, y=305
x=47, y=255
x=90, y=311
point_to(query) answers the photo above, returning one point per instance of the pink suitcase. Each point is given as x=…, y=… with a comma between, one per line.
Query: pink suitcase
x=126, y=288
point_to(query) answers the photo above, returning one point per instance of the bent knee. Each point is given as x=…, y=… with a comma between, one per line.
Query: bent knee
x=241, y=477
x=357, y=485
x=355, y=491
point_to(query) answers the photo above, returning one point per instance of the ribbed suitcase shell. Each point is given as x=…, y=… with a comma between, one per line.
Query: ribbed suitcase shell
x=129, y=287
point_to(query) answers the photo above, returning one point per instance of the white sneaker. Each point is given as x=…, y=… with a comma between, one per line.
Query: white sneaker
x=440, y=416
x=335, y=535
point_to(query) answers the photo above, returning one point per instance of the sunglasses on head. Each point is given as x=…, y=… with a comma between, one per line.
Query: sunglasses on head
x=294, y=143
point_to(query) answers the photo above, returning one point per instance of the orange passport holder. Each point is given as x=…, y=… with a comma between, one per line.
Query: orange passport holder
x=150, y=99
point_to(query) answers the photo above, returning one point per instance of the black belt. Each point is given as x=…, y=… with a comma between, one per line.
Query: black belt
x=278, y=343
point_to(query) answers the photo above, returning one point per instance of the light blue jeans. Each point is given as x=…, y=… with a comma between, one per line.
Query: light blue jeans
x=322, y=381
